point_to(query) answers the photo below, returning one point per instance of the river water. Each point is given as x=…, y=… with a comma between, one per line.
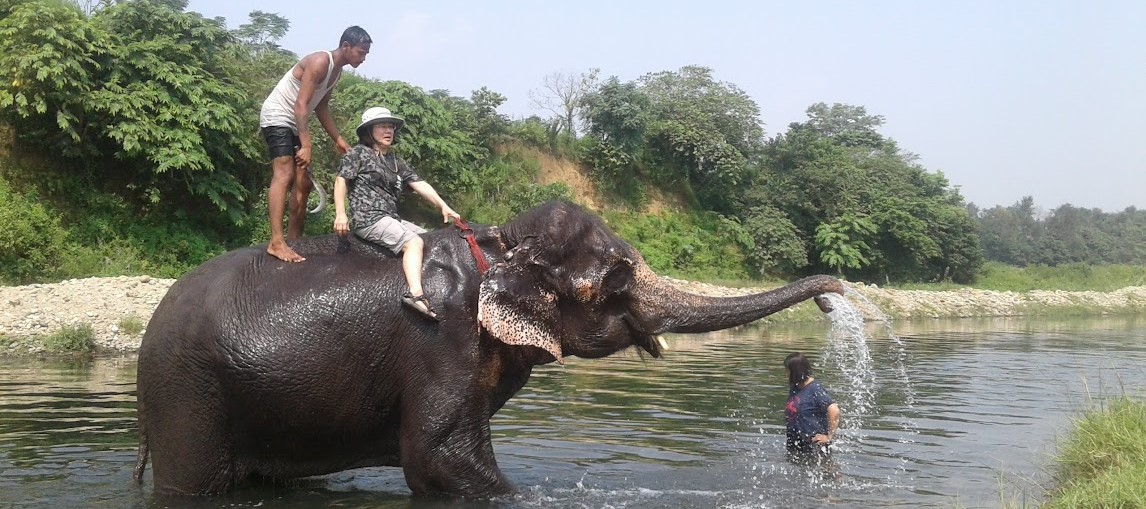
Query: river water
x=942, y=413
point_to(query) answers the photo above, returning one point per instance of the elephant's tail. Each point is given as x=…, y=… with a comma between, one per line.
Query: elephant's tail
x=141, y=460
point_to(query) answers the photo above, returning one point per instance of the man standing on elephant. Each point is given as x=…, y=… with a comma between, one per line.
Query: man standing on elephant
x=374, y=178
x=285, y=120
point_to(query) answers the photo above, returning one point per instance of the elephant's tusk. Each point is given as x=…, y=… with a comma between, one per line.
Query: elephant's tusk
x=664, y=344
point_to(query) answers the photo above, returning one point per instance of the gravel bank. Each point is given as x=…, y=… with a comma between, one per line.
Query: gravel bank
x=29, y=313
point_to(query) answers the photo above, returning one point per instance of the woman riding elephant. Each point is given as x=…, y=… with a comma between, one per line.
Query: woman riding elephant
x=254, y=368
x=374, y=178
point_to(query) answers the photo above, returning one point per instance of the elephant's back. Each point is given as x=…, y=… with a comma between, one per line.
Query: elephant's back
x=229, y=292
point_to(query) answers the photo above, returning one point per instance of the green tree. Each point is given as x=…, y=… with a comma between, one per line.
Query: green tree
x=617, y=116
x=704, y=134
x=262, y=33
x=846, y=125
x=833, y=168
x=776, y=248
x=139, y=95
x=842, y=245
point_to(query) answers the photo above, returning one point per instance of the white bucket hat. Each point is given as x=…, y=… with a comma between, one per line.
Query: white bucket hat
x=378, y=115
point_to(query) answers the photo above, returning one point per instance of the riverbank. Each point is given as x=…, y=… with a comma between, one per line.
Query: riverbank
x=31, y=313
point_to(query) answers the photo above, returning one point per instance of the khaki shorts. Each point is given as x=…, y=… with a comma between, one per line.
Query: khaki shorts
x=390, y=233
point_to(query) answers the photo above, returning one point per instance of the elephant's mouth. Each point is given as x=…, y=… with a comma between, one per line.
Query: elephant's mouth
x=648, y=342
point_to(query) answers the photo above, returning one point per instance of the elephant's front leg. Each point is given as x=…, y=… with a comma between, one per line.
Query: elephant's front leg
x=446, y=449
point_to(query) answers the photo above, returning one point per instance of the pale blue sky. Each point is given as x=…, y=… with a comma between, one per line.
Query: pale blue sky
x=1006, y=98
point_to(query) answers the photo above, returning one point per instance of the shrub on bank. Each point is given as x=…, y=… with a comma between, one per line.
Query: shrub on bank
x=701, y=247
x=71, y=339
x=131, y=325
x=31, y=240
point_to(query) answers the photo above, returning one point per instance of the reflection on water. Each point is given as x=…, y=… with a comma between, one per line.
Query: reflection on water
x=952, y=413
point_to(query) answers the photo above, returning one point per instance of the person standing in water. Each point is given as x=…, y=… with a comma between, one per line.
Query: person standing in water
x=812, y=416
x=285, y=125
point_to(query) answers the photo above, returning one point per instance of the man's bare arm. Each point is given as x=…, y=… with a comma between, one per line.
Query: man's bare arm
x=311, y=74
x=322, y=111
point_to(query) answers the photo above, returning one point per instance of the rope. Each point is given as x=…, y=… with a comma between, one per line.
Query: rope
x=467, y=233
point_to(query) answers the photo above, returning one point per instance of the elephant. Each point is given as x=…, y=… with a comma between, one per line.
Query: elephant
x=253, y=369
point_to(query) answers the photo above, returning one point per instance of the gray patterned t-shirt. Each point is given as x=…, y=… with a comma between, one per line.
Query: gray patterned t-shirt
x=374, y=184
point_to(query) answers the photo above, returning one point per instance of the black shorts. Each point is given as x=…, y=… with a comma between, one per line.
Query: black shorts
x=281, y=141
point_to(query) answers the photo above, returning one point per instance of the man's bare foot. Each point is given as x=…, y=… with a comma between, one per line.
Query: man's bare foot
x=283, y=252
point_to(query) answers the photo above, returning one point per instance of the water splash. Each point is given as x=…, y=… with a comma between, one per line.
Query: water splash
x=848, y=355
x=897, y=347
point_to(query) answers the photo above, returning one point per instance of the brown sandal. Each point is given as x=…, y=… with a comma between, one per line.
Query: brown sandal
x=421, y=305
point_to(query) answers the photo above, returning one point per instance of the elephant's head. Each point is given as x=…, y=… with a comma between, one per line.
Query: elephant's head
x=570, y=287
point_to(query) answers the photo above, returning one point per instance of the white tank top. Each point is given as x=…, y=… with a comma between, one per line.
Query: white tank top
x=278, y=109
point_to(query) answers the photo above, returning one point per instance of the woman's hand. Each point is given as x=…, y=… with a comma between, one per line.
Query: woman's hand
x=341, y=224
x=821, y=439
x=448, y=214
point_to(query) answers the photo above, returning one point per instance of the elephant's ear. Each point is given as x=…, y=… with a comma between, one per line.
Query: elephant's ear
x=516, y=310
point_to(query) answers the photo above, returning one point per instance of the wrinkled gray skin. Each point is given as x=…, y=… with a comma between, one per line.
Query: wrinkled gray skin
x=253, y=368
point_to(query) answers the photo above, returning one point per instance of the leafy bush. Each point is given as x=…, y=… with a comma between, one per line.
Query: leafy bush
x=695, y=246
x=615, y=173
x=71, y=339
x=504, y=188
x=31, y=239
x=532, y=132
x=106, y=238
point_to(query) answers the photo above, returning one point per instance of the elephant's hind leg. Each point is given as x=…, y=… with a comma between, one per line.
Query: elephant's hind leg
x=198, y=463
x=189, y=441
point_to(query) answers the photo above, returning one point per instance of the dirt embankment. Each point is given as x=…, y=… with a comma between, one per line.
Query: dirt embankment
x=30, y=313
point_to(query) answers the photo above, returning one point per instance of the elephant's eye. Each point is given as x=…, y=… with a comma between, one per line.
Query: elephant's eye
x=546, y=275
x=618, y=278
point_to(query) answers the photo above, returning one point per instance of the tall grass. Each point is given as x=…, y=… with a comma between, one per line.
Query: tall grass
x=1072, y=277
x=131, y=325
x=1102, y=461
x=1075, y=277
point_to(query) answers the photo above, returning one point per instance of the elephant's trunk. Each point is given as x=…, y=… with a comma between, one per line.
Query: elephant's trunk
x=664, y=308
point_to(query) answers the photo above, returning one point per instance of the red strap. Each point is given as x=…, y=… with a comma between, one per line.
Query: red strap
x=468, y=234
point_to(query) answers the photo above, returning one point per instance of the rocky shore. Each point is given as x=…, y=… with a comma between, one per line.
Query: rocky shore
x=30, y=313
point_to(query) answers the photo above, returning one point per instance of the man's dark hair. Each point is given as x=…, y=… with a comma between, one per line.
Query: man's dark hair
x=799, y=368
x=355, y=36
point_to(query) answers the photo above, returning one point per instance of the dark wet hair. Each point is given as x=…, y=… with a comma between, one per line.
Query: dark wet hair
x=355, y=36
x=799, y=368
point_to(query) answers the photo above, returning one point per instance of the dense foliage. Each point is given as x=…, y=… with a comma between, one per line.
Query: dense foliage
x=137, y=99
x=830, y=194
x=1021, y=235
x=132, y=146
